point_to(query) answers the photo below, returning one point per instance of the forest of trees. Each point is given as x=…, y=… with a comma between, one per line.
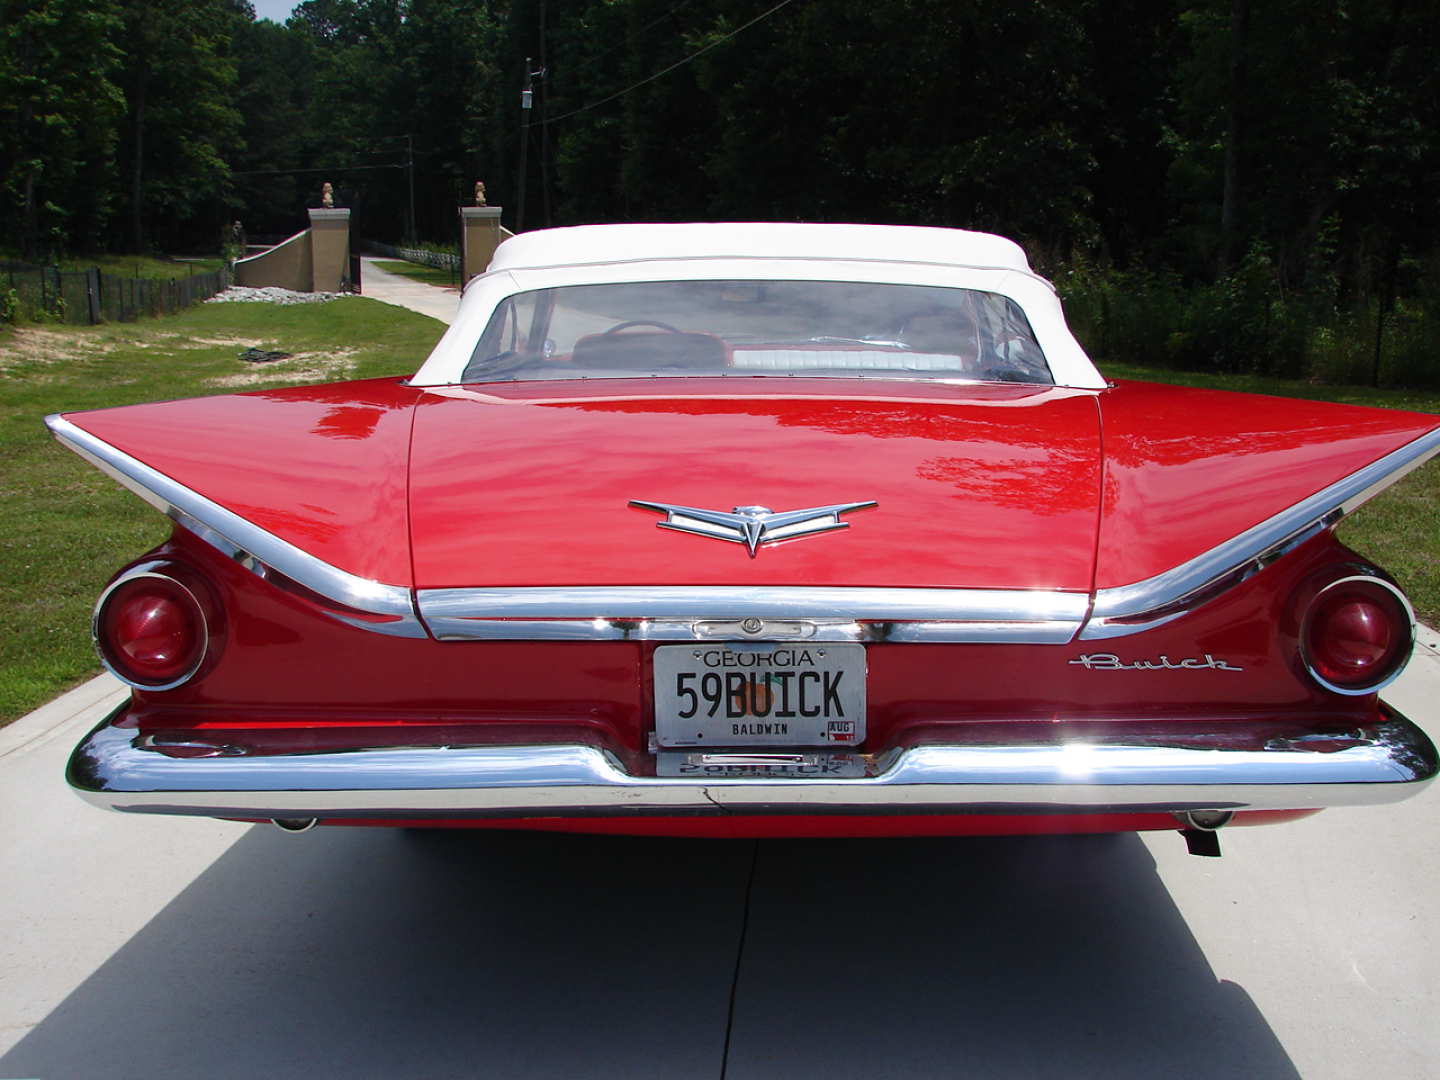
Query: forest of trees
x=1244, y=183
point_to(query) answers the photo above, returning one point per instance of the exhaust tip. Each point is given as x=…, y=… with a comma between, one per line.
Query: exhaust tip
x=1205, y=820
x=294, y=825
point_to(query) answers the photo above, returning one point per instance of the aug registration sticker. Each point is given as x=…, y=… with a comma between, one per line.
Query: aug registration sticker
x=760, y=694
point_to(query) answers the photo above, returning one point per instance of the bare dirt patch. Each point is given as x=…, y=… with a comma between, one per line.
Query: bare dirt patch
x=187, y=341
x=325, y=366
x=28, y=346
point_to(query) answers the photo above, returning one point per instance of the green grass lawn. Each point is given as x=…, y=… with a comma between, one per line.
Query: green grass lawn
x=64, y=527
x=417, y=272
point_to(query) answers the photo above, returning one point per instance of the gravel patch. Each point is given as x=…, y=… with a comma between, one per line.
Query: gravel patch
x=271, y=294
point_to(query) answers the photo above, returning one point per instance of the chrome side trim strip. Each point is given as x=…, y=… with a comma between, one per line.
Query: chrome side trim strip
x=253, y=547
x=680, y=613
x=1386, y=763
x=1129, y=609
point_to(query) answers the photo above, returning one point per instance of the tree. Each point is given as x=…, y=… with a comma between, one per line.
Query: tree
x=448, y=50
x=181, y=124
x=274, y=93
x=58, y=111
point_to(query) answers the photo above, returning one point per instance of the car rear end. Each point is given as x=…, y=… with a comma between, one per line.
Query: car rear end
x=763, y=707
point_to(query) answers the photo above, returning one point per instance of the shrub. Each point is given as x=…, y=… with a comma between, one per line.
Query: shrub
x=1244, y=322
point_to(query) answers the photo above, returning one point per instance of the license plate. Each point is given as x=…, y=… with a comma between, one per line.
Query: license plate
x=760, y=694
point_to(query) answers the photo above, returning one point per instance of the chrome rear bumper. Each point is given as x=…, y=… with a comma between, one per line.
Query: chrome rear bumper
x=1387, y=762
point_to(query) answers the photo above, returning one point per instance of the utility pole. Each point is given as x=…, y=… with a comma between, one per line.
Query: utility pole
x=410, y=173
x=527, y=102
x=544, y=126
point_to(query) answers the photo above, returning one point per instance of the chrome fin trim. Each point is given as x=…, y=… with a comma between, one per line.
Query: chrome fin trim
x=372, y=605
x=681, y=613
x=838, y=614
x=1142, y=605
x=117, y=769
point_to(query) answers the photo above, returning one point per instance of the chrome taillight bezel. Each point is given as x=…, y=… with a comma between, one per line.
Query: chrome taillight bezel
x=115, y=667
x=1404, y=654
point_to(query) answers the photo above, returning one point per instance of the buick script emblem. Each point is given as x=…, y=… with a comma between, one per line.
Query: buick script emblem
x=1111, y=662
x=752, y=525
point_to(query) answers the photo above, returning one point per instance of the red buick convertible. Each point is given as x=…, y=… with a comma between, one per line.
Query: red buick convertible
x=754, y=530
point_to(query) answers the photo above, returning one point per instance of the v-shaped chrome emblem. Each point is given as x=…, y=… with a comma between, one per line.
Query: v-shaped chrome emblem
x=752, y=525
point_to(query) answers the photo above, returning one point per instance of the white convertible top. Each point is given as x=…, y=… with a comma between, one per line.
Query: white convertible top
x=781, y=251
x=585, y=245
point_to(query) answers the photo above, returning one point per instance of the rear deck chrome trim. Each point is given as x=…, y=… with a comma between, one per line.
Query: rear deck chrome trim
x=386, y=609
x=684, y=613
x=1130, y=609
x=1385, y=763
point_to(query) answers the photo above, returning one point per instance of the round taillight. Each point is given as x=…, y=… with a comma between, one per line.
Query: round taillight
x=150, y=631
x=1358, y=634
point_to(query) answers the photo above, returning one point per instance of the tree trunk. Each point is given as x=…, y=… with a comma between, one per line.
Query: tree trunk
x=1234, y=131
x=28, y=225
x=29, y=213
x=1385, y=307
x=137, y=170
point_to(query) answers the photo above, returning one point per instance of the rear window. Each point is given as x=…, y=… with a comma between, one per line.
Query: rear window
x=819, y=328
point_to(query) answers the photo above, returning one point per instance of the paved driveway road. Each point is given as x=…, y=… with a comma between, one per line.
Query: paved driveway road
x=377, y=284
x=157, y=947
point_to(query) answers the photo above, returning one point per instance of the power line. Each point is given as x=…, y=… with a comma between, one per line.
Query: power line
x=630, y=39
x=678, y=63
x=335, y=169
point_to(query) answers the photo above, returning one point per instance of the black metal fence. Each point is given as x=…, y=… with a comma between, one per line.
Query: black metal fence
x=46, y=293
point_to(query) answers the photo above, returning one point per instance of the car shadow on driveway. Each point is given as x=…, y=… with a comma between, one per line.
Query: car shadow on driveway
x=1026, y=957
x=378, y=953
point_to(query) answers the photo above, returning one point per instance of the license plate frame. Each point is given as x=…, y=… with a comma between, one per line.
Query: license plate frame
x=791, y=766
x=758, y=693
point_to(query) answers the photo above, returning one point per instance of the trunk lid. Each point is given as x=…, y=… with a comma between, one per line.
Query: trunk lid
x=529, y=484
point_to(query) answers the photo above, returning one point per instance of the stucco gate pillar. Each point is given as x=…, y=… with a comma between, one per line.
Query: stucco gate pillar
x=480, y=235
x=330, y=243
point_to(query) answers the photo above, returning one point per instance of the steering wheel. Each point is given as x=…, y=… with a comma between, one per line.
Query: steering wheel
x=644, y=322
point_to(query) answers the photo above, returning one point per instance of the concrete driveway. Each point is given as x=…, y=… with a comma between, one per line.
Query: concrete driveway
x=377, y=284
x=144, y=947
